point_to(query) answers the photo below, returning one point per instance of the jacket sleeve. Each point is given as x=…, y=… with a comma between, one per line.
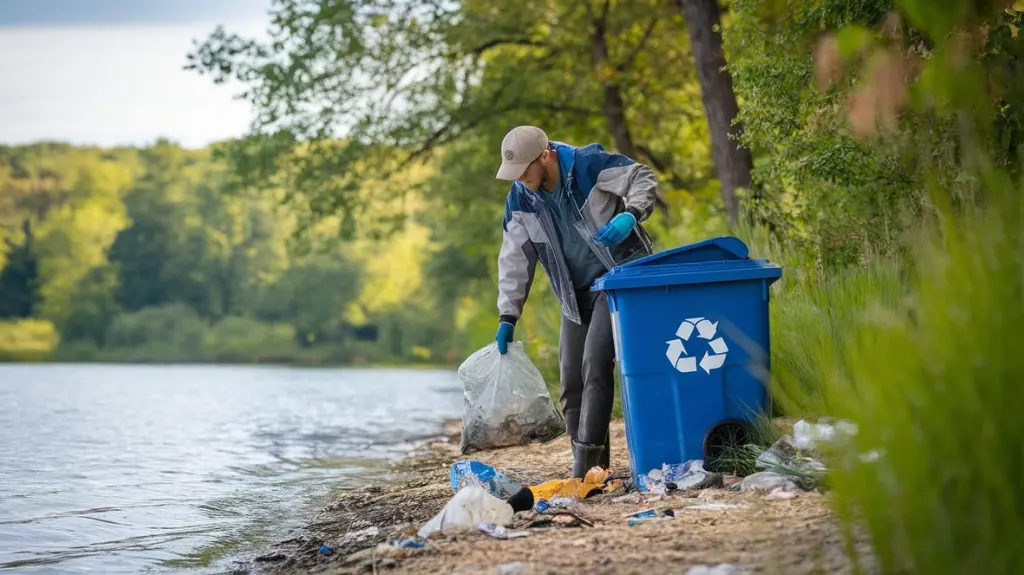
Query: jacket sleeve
x=517, y=262
x=632, y=181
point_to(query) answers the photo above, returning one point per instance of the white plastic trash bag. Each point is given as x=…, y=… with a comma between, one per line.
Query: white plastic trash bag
x=506, y=401
x=470, y=507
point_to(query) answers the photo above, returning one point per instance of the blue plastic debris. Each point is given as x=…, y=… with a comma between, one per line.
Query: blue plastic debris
x=541, y=506
x=644, y=514
x=649, y=515
x=492, y=480
x=326, y=549
x=409, y=543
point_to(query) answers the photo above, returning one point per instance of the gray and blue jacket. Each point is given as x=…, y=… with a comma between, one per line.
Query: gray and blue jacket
x=597, y=185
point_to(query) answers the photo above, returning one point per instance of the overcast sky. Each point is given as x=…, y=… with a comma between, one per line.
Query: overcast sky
x=109, y=72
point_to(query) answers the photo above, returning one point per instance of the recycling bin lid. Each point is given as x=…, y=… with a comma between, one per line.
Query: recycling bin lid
x=719, y=259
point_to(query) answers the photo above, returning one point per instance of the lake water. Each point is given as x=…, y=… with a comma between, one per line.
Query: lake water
x=129, y=469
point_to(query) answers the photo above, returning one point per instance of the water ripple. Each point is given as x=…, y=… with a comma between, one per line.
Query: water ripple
x=127, y=469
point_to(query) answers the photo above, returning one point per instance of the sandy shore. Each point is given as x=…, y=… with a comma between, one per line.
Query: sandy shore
x=755, y=533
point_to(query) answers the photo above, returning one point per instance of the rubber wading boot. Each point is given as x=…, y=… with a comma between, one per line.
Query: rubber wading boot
x=606, y=455
x=585, y=456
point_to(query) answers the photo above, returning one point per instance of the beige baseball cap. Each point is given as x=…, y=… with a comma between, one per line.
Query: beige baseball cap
x=522, y=145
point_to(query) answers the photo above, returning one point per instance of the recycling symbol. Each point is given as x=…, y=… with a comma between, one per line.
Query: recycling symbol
x=714, y=356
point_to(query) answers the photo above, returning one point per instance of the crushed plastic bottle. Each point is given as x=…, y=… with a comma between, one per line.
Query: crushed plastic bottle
x=470, y=471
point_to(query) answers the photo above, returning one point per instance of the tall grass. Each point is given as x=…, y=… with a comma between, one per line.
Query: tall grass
x=928, y=363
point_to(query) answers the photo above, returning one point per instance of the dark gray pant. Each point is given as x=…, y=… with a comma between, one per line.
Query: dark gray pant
x=586, y=358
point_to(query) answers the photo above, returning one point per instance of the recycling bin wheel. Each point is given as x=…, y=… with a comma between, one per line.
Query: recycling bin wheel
x=722, y=440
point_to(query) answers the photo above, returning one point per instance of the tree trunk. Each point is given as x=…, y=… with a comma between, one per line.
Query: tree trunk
x=733, y=162
x=614, y=107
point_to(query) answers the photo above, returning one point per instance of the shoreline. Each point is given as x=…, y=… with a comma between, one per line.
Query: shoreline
x=254, y=363
x=750, y=531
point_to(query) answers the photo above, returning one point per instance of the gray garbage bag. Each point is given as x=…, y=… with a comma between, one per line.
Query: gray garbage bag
x=506, y=401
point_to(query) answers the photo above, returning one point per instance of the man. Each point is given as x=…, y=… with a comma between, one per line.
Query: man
x=578, y=211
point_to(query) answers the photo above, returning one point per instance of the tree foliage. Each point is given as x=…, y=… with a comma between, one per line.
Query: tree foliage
x=398, y=80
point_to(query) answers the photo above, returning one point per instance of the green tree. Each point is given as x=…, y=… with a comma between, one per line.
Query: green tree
x=19, y=278
x=314, y=296
x=401, y=79
x=94, y=307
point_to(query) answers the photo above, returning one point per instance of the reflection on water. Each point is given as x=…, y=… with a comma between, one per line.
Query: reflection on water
x=126, y=469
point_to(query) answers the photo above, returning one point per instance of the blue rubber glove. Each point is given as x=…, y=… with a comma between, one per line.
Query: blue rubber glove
x=616, y=230
x=504, y=336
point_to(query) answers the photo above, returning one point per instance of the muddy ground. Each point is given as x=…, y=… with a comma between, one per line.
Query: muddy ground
x=764, y=534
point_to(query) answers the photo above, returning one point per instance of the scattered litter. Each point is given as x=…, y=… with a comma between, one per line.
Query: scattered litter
x=562, y=502
x=409, y=543
x=325, y=550
x=806, y=435
x=780, y=493
x=469, y=471
x=840, y=433
x=516, y=568
x=768, y=481
x=681, y=476
x=643, y=514
x=715, y=506
x=564, y=492
x=649, y=515
x=795, y=461
x=720, y=569
x=360, y=535
x=635, y=522
x=553, y=518
x=470, y=506
x=543, y=505
x=506, y=401
x=500, y=532
x=786, y=455
x=401, y=548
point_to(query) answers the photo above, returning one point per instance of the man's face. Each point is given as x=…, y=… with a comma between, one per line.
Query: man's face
x=533, y=175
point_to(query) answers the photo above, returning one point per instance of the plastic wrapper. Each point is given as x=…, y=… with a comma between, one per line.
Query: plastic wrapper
x=689, y=475
x=588, y=232
x=768, y=481
x=506, y=401
x=470, y=507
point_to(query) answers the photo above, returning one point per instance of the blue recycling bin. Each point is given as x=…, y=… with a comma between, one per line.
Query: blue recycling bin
x=692, y=344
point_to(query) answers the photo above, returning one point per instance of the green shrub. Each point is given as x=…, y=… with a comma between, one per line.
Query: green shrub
x=27, y=340
x=244, y=340
x=168, y=332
